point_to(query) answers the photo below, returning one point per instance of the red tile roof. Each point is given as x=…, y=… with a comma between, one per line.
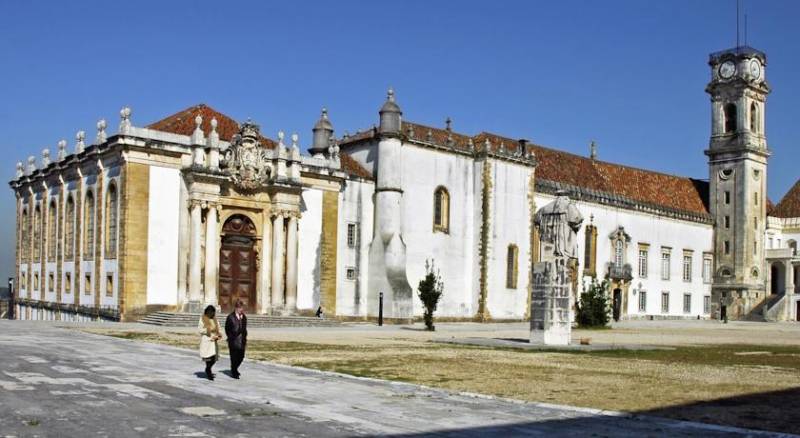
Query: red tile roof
x=639, y=185
x=182, y=123
x=789, y=206
x=353, y=167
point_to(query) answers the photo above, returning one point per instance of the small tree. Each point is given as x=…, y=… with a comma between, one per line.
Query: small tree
x=592, y=310
x=430, y=291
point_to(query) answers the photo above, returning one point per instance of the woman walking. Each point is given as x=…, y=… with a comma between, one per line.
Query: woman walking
x=209, y=335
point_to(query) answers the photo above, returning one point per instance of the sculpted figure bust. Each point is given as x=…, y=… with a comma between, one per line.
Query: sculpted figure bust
x=559, y=222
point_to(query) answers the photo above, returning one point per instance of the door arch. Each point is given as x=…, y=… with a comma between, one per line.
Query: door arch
x=237, y=263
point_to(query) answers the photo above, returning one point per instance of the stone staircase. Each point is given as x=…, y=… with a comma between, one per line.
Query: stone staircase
x=173, y=319
x=775, y=309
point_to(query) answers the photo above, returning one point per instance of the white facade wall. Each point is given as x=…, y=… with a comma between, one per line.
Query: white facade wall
x=509, y=225
x=162, y=236
x=659, y=232
x=356, y=209
x=454, y=252
x=309, y=250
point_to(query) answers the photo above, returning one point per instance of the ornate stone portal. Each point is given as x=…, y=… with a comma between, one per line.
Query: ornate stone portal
x=558, y=222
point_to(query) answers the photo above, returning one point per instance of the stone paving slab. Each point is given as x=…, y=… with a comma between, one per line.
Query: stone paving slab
x=523, y=344
x=64, y=383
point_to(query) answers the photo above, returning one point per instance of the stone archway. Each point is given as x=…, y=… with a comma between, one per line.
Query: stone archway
x=238, y=263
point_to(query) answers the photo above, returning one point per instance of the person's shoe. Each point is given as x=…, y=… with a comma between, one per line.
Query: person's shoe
x=235, y=375
x=210, y=376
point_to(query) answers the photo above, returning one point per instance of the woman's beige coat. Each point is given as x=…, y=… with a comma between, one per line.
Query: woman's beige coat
x=208, y=346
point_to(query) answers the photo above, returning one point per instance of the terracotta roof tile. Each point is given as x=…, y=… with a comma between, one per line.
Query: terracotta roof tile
x=182, y=123
x=353, y=167
x=789, y=206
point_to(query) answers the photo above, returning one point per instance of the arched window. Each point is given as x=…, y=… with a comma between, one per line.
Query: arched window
x=111, y=221
x=730, y=118
x=37, y=234
x=69, y=229
x=511, y=266
x=754, y=117
x=88, y=220
x=52, y=220
x=590, y=251
x=23, y=236
x=441, y=210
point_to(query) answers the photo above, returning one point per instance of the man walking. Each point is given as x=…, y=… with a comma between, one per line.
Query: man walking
x=236, y=330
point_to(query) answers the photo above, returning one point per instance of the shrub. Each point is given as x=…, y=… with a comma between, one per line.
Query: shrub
x=430, y=291
x=593, y=308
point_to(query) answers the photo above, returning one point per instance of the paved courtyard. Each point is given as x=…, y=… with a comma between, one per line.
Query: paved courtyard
x=61, y=382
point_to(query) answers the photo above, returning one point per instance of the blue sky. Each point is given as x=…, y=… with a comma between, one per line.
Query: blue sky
x=628, y=74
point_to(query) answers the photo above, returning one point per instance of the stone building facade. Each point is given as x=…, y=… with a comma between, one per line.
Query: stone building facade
x=198, y=209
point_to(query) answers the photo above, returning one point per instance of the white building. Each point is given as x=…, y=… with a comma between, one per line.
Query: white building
x=196, y=209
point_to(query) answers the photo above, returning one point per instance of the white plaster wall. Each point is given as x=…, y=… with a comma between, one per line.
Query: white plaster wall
x=86, y=297
x=109, y=268
x=50, y=294
x=162, y=236
x=454, y=252
x=658, y=232
x=310, y=232
x=355, y=207
x=68, y=297
x=509, y=225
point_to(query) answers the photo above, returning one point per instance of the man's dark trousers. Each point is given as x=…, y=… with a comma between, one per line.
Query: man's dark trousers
x=236, y=330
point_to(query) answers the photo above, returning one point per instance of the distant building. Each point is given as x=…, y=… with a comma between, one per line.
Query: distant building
x=198, y=209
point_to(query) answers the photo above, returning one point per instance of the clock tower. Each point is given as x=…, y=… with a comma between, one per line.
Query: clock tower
x=737, y=162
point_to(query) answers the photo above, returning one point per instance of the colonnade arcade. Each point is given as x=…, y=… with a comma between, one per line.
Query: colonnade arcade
x=238, y=252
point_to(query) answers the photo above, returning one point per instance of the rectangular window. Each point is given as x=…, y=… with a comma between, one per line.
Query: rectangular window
x=351, y=235
x=755, y=198
x=643, y=262
x=87, y=285
x=727, y=221
x=687, y=267
x=727, y=247
x=706, y=304
x=35, y=281
x=755, y=247
x=664, y=302
x=511, y=267
x=727, y=197
x=51, y=282
x=771, y=243
x=755, y=223
x=350, y=273
x=642, y=301
x=110, y=285
x=707, y=269
x=67, y=282
x=665, y=260
x=687, y=303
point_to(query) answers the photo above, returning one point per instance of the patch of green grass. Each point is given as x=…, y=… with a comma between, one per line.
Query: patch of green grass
x=716, y=355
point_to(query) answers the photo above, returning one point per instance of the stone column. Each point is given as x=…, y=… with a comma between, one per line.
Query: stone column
x=278, y=247
x=265, y=266
x=291, y=264
x=212, y=255
x=195, y=258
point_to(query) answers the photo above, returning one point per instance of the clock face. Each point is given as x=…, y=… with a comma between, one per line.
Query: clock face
x=755, y=69
x=727, y=69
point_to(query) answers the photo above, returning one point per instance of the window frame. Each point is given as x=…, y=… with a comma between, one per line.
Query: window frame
x=512, y=266
x=665, y=302
x=441, y=210
x=666, y=261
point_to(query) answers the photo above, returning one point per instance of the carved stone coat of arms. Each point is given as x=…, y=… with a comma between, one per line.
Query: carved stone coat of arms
x=246, y=160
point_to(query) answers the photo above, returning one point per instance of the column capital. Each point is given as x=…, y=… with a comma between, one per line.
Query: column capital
x=195, y=203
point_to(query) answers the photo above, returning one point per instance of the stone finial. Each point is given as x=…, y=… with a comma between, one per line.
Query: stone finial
x=487, y=145
x=100, y=138
x=62, y=150
x=125, y=120
x=390, y=94
x=448, y=124
x=281, y=135
x=213, y=136
x=295, y=138
x=390, y=115
x=198, y=137
x=410, y=131
x=80, y=136
x=20, y=169
x=471, y=144
x=31, y=164
x=45, y=157
x=429, y=136
x=322, y=131
x=593, y=150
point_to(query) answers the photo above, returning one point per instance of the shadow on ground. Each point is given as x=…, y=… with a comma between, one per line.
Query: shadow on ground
x=777, y=411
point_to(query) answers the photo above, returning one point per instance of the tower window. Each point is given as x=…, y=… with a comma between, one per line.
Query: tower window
x=727, y=197
x=727, y=221
x=755, y=197
x=727, y=245
x=511, y=267
x=754, y=117
x=730, y=118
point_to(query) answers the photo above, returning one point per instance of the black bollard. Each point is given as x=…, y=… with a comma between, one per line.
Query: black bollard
x=380, y=308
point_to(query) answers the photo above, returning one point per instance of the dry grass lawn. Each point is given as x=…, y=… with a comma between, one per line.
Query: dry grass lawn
x=736, y=384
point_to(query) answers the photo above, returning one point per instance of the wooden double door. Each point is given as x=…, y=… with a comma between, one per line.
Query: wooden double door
x=237, y=264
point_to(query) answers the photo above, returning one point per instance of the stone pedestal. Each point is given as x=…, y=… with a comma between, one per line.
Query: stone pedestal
x=550, y=303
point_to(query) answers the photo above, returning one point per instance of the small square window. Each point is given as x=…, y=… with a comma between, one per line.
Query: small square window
x=350, y=273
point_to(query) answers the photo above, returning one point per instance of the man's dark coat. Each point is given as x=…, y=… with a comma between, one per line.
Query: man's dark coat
x=236, y=330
